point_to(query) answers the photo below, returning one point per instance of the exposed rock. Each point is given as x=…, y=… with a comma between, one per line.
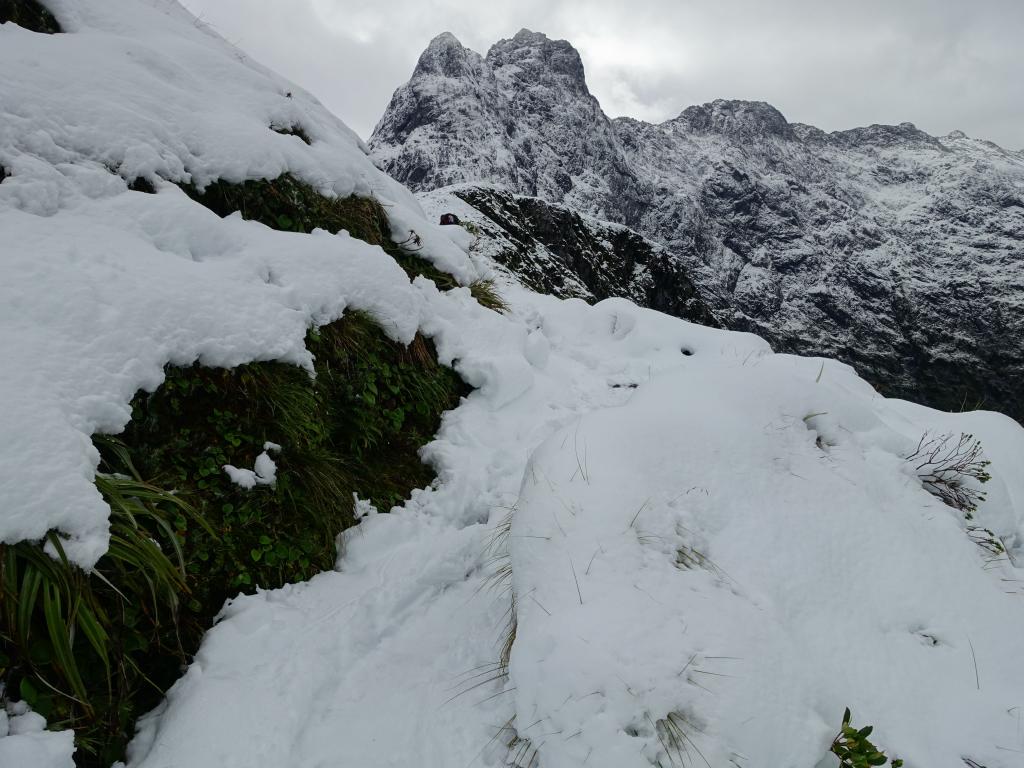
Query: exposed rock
x=553, y=249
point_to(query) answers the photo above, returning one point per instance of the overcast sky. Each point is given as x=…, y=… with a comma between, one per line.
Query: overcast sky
x=941, y=64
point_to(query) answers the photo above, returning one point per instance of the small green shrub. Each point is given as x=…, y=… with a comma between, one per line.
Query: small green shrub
x=944, y=462
x=854, y=750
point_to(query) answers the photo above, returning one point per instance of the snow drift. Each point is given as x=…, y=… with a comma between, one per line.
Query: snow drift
x=696, y=528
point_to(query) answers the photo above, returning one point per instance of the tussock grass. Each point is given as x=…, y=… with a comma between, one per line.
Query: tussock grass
x=487, y=295
x=676, y=733
x=77, y=646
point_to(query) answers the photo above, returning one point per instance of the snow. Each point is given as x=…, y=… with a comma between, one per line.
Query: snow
x=104, y=286
x=692, y=525
x=833, y=578
x=24, y=742
x=264, y=471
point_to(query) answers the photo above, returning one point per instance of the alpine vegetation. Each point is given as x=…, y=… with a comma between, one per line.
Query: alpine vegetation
x=293, y=475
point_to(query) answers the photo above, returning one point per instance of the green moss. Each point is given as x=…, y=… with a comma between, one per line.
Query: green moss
x=356, y=428
x=29, y=14
x=188, y=538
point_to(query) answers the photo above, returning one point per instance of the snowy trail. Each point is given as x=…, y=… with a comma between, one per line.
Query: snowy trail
x=701, y=530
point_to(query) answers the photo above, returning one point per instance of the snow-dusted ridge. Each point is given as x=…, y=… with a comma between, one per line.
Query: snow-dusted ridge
x=895, y=251
x=626, y=443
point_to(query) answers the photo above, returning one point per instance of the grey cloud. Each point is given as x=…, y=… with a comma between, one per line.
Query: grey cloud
x=942, y=64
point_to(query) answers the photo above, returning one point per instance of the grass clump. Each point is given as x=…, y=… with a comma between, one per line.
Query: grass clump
x=854, y=750
x=30, y=15
x=79, y=647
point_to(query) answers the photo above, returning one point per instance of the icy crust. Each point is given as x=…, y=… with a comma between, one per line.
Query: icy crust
x=617, y=436
x=104, y=286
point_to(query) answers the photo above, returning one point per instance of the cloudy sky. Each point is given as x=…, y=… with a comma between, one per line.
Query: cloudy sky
x=941, y=64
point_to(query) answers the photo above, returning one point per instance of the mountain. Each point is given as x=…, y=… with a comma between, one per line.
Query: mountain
x=284, y=465
x=896, y=251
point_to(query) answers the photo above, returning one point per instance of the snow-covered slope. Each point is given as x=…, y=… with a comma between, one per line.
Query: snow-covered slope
x=895, y=251
x=686, y=527
x=103, y=285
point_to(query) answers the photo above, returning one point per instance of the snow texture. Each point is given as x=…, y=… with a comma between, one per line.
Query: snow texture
x=692, y=525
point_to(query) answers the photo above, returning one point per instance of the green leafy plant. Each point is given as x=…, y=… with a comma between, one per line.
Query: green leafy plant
x=854, y=750
x=77, y=646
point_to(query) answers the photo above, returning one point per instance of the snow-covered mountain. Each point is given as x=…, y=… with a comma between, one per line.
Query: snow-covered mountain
x=898, y=252
x=648, y=542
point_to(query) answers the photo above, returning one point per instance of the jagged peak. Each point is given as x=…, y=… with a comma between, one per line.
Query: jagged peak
x=446, y=55
x=537, y=57
x=736, y=117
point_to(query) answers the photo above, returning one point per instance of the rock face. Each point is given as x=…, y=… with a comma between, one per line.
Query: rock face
x=555, y=250
x=898, y=252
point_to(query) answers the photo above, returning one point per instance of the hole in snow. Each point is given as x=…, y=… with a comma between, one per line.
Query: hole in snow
x=686, y=351
x=3, y=174
x=291, y=130
x=142, y=184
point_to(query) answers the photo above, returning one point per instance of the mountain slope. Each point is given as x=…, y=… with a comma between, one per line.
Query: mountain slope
x=645, y=537
x=893, y=250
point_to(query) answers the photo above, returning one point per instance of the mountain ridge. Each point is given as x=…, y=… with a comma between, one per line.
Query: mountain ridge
x=899, y=252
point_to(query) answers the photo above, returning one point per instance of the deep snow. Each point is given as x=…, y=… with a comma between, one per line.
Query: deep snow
x=626, y=445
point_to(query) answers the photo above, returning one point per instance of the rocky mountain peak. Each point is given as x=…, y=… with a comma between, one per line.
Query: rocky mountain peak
x=737, y=119
x=448, y=57
x=903, y=135
x=532, y=57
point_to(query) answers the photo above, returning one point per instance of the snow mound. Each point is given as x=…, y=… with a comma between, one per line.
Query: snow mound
x=747, y=553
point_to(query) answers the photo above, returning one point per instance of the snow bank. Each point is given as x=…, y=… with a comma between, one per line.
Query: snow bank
x=24, y=742
x=103, y=286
